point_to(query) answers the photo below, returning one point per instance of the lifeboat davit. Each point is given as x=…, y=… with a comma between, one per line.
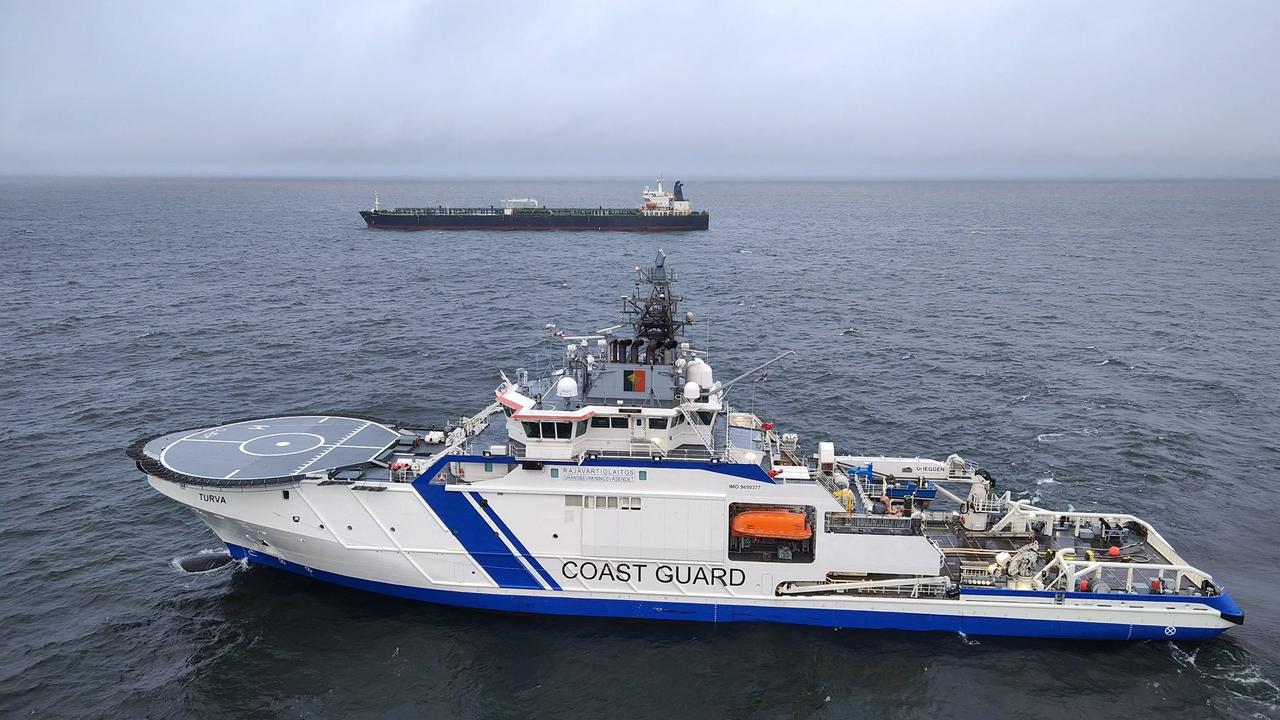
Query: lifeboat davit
x=777, y=523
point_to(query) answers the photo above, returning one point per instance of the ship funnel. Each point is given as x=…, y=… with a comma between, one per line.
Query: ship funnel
x=679, y=190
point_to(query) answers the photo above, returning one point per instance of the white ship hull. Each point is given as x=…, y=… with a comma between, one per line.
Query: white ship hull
x=622, y=484
x=395, y=541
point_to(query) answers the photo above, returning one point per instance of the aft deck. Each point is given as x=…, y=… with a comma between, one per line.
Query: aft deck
x=970, y=554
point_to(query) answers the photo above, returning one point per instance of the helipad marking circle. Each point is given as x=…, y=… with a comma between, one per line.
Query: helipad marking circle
x=272, y=448
x=290, y=443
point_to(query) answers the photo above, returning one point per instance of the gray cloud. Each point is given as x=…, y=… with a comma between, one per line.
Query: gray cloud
x=769, y=89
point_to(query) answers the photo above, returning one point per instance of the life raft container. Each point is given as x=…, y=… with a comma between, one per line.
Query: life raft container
x=777, y=524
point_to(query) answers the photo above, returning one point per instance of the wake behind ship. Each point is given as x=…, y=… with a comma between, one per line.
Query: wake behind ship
x=659, y=211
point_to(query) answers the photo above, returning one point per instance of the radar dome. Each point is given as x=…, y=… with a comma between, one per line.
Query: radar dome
x=692, y=391
x=700, y=372
x=567, y=387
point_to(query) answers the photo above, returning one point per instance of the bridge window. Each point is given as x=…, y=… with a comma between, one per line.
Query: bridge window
x=600, y=422
x=657, y=423
x=582, y=427
x=557, y=430
x=618, y=423
x=531, y=430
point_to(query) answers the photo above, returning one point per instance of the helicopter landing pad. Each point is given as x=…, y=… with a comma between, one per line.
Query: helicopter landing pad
x=272, y=447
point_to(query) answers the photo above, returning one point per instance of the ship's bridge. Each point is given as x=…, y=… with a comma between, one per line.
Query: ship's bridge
x=621, y=429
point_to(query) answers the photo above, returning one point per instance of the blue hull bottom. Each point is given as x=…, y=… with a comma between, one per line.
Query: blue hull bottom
x=549, y=604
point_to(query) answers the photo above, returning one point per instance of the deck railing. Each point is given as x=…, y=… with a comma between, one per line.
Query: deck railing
x=1121, y=577
x=871, y=524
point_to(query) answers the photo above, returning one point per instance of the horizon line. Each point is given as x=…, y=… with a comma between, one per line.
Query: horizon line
x=613, y=177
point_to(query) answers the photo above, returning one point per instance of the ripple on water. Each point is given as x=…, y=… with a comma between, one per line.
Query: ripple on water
x=928, y=318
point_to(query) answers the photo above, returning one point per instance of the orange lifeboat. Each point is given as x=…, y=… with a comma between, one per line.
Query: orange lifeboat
x=777, y=523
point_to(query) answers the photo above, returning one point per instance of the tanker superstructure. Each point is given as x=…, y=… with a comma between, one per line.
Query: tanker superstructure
x=660, y=211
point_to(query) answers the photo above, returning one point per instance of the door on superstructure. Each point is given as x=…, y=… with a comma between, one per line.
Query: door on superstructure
x=637, y=430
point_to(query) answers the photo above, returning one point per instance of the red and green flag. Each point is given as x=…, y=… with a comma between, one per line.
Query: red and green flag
x=633, y=381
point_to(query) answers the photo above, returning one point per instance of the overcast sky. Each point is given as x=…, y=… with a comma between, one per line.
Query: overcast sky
x=889, y=89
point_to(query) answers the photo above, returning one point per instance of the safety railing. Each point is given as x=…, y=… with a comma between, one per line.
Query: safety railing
x=1066, y=572
x=871, y=524
x=991, y=504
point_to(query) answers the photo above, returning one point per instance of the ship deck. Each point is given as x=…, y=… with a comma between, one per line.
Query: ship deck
x=265, y=451
x=963, y=549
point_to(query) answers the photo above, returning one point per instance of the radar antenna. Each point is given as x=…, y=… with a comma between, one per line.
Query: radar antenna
x=655, y=319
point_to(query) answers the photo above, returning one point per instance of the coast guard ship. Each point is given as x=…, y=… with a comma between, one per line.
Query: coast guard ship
x=622, y=483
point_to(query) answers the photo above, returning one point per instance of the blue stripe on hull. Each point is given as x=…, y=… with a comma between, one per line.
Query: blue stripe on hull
x=520, y=548
x=557, y=604
x=480, y=541
x=745, y=471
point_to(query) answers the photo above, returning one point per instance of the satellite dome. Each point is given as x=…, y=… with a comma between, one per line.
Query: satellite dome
x=700, y=372
x=567, y=387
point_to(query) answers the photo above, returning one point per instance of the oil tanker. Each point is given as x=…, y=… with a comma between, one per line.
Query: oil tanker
x=659, y=211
